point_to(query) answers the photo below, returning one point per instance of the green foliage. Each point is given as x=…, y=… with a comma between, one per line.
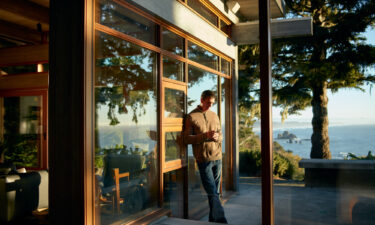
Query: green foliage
x=126, y=81
x=335, y=57
x=285, y=164
x=23, y=151
x=352, y=156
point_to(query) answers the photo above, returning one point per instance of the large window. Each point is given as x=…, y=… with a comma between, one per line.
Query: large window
x=144, y=86
x=126, y=128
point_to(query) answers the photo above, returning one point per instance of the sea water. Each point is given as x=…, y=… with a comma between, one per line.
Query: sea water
x=356, y=139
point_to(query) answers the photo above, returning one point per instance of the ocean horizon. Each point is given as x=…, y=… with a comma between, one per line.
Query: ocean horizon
x=343, y=139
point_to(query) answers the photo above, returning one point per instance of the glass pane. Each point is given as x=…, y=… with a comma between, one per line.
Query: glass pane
x=125, y=128
x=173, y=69
x=174, y=104
x=224, y=27
x=199, y=81
x=174, y=192
x=202, y=56
x=173, y=146
x=22, y=130
x=225, y=126
x=203, y=11
x=126, y=21
x=172, y=42
x=225, y=66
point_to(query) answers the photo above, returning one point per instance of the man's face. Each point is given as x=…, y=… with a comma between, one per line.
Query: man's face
x=206, y=103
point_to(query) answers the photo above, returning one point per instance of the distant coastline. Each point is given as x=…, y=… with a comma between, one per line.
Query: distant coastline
x=357, y=139
x=277, y=125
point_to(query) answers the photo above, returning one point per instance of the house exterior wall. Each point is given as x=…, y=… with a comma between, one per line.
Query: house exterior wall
x=180, y=16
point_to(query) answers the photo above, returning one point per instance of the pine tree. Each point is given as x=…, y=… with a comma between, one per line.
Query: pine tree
x=335, y=57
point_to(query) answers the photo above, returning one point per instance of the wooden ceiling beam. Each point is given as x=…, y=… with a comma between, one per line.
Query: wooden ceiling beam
x=24, y=81
x=26, y=9
x=24, y=55
x=20, y=33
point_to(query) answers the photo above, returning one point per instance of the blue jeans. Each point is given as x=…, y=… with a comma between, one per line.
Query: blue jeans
x=211, y=176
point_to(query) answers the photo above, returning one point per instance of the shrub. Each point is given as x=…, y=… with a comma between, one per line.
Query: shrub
x=285, y=164
x=352, y=156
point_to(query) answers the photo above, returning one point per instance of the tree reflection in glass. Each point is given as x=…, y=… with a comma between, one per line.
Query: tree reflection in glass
x=174, y=103
x=173, y=69
x=200, y=80
x=126, y=21
x=202, y=56
x=172, y=42
x=125, y=128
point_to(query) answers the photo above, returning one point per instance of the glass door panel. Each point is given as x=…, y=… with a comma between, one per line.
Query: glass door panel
x=174, y=106
x=23, y=129
x=125, y=129
x=174, y=153
x=173, y=149
x=173, y=192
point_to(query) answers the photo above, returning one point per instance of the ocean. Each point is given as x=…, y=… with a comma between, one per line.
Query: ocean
x=357, y=139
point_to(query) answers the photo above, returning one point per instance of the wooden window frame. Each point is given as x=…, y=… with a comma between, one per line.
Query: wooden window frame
x=177, y=163
x=172, y=84
x=118, y=34
x=170, y=27
x=43, y=93
x=212, y=8
x=163, y=123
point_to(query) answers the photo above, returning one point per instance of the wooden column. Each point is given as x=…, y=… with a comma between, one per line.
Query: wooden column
x=70, y=113
x=266, y=112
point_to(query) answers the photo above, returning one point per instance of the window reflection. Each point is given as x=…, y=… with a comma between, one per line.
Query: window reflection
x=173, y=192
x=21, y=130
x=202, y=56
x=173, y=69
x=225, y=66
x=173, y=146
x=203, y=11
x=125, y=128
x=172, y=42
x=174, y=103
x=224, y=119
x=199, y=80
x=126, y=21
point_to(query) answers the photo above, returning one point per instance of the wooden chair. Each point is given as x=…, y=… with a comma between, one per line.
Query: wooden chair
x=117, y=176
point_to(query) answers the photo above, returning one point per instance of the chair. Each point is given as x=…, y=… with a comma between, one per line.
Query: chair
x=117, y=176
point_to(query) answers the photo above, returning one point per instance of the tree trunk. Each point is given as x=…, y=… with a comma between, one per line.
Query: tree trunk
x=319, y=138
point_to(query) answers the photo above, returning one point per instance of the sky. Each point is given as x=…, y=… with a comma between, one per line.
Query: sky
x=347, y=106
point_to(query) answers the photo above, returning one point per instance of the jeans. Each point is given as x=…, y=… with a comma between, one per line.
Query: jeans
x=211, y=176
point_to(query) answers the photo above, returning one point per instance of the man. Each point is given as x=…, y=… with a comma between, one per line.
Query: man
x=203, y=131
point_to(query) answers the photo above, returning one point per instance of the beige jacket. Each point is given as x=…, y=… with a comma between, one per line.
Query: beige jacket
x=197, y=123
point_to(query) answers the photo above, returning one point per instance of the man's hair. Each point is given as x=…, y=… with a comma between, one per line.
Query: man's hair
x=207, y=94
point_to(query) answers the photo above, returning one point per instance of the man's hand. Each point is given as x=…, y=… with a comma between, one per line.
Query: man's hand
x=212, y=135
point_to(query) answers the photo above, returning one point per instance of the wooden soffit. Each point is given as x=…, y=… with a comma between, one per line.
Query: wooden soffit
x=24, y=81
x=248, y=33
x=24, y=55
